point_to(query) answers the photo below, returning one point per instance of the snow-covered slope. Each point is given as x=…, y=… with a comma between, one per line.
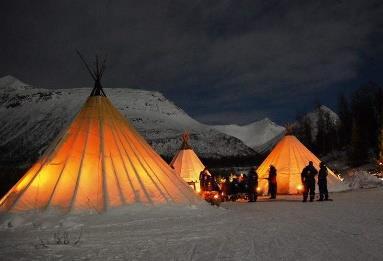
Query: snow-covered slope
x=30, y=118
x=313, y=117
x=10, y=83
x=260, y=135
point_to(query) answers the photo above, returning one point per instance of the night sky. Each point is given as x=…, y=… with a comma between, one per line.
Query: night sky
x=221, y=61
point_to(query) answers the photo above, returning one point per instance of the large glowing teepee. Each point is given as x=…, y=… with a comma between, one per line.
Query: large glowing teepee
x=289, y=157
x=98, y=162
x=187, y=164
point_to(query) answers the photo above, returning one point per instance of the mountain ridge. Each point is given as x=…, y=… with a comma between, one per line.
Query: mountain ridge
x=30, y=118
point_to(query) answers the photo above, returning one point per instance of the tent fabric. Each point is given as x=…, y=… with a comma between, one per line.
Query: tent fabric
x=98, y=162
x=289, y=157
x=187, y=165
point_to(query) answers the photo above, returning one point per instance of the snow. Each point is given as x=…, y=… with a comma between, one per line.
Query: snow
x=39, y=114
x=348, y=228
x=256, y=135
x=313, y=117
x=11, y=83
x=362, y=179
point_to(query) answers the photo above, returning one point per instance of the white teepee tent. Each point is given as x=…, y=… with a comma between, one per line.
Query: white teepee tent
x=187, y=164
x=98, y=162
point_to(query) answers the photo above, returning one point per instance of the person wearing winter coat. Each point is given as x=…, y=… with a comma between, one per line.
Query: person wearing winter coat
x=308, y=180
x=322, y=182
x=252, y=184
x=272, y=182
x=203, y=178
x=225, y=189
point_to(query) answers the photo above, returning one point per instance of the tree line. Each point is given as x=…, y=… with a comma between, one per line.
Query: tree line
x=358, y=132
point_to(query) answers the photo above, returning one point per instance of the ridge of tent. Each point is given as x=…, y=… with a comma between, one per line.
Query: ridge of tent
x=96, y=73
x=185, y=141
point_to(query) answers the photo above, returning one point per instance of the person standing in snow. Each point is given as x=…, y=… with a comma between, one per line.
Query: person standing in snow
x=203, y=179
x=252, y=184
x=308, y=180
x=234, y=188
x=225, y=189
x=322, y=182
x=272, y=182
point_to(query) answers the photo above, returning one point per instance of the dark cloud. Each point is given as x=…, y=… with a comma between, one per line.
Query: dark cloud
x=222, y=61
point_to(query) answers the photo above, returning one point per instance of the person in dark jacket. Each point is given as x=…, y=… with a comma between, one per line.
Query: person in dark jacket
x=252, y=184
x=203, y=176
x=308, y=180
x=225, y=188
x=322, y=182
x=272, y=182
x=234, y=188
x=243, y=186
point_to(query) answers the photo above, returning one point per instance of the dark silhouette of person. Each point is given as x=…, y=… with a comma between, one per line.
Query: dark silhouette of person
x=308, y=180
x=203, y=178
x=322, y=182
x=243, y=186
x=234, y=188
x=272, y=182
x=252, y=184
x=225, y=188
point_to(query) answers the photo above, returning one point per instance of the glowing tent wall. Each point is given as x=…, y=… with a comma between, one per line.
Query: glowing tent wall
x=188, y=166
x=99, y=162
x=289, y=157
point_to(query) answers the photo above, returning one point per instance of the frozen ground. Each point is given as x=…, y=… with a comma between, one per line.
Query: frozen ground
x=349, y=228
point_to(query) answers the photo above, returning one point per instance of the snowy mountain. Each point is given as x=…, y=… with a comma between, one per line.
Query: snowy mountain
x=260, y=135
x=30, y=118
x=313, y=117
x=10, y=83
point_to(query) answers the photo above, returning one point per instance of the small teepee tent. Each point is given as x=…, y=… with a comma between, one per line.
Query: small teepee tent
x=187, y=164
x=289, y=157
x=98, y=162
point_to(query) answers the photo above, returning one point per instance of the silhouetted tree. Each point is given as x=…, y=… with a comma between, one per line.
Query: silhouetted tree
x=366, y=110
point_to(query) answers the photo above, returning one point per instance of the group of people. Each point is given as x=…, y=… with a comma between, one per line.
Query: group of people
x=308, y=180
x=253, y=183
x=231, y=188
x=207, y=181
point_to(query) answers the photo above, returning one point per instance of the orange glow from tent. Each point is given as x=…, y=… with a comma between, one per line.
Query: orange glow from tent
x=100, y=161
x=289, y=157
x=258, y=189
x=187, y=164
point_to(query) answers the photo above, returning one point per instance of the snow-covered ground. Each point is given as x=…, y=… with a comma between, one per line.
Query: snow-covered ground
x=348, y=228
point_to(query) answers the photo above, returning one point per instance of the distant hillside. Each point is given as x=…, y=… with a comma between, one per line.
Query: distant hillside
x=31, y=117
x=260, y=135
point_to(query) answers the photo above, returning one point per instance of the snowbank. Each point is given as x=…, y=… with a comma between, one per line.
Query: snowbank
x=362, y=179
x=55, y=219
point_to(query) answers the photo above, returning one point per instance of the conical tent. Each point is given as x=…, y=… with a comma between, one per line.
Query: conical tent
x=98, y=162
x=187, y=164
x=289, y=157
